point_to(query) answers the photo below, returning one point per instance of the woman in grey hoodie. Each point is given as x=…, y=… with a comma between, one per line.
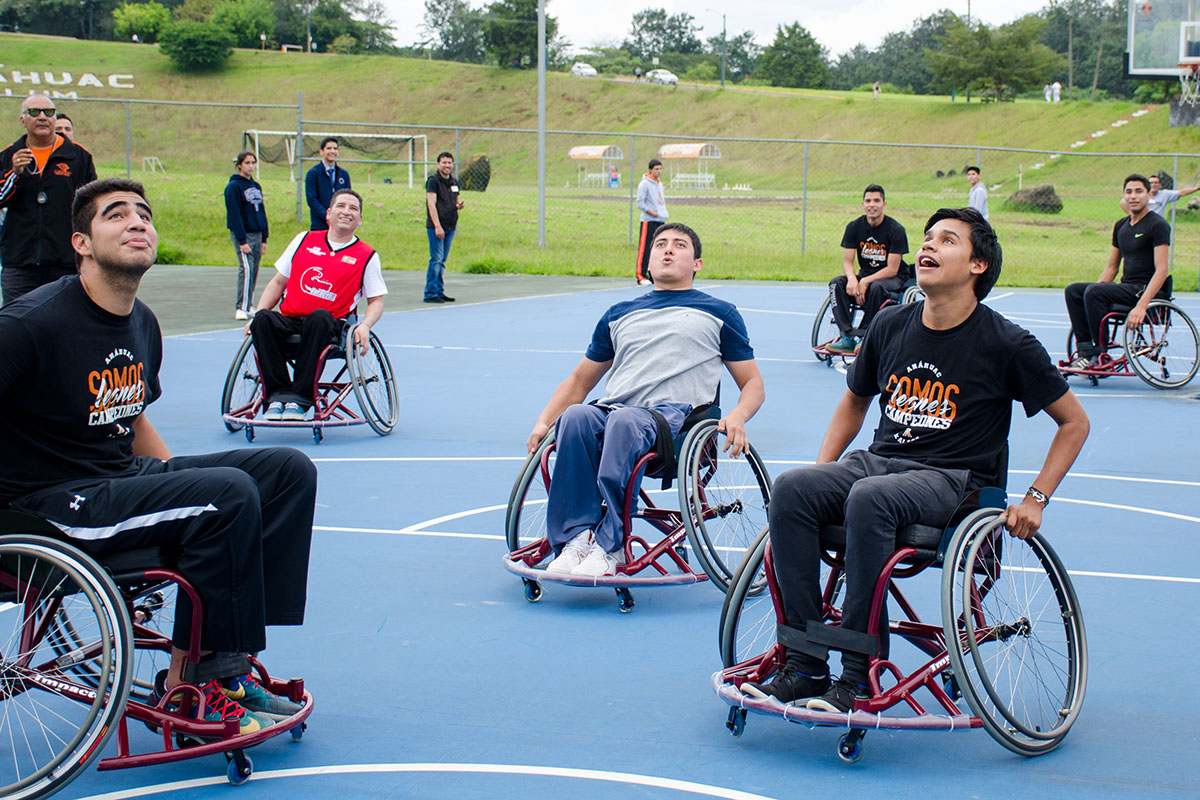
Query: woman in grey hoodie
x=246, y=218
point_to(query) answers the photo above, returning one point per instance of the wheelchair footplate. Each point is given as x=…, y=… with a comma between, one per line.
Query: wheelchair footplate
x=184, y=736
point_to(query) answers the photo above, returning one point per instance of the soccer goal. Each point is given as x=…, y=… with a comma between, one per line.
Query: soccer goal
x=280, y=147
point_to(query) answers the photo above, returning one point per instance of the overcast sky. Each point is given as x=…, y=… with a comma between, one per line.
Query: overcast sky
x=837, y=24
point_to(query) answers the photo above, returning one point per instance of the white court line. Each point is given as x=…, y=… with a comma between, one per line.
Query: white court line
x=689, y=787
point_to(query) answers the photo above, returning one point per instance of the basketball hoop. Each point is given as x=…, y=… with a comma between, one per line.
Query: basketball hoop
x=1189, y=82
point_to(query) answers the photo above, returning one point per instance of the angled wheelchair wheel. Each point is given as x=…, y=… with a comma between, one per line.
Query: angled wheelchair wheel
x=374, y=383
x=912, y=294
x=824, y=329
x=1164, y=350
x=748, y=617
x=525, y=519
x=724, y=499
x=53, y=725
x=1021, y=659
x=242, y=384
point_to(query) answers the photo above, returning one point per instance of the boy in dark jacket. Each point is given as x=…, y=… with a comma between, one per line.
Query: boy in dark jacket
x=246, y=218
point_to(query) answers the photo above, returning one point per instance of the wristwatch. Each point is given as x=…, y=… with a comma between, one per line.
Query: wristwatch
x=1038, y=495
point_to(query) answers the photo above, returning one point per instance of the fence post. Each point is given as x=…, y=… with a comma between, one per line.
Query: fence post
x=979, y=157
x=804, y=204
x=1175, y=182
x=299, y=155
x=456, y=153
x=632, y=189
x=128, y=142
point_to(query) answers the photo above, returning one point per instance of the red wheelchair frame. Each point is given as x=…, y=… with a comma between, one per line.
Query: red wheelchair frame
x=722, y=507
x=976, y=555
x=51, y=590
x=1146, y=351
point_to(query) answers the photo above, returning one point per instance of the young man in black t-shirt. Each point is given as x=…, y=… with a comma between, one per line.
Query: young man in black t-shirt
x=947, y=371
x=79, y=362
x=877, y=242
x=1143, y=241
x=442, y=205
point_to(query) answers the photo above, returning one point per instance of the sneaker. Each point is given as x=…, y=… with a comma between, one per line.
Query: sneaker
x=787, y=686
x=292, y=412
x=274, y=411
x=447, y=299
x=839, y=699
x=218, y=708
x=845, y=344
x=571, y=554
x=433, y=300
x=250, y=695
x=598, y=563
x=1083, y=362
x=240, y=314
x=645, y=282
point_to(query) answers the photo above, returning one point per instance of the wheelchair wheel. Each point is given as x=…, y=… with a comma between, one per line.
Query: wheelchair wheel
x=374, y=383
x=724, y=501
x=1164, y=350
x=51, y=725
x=912, y=294
x=824, y=329
x=525, y=519
x=242, y=384
x=1021, y=659
x=748, y=618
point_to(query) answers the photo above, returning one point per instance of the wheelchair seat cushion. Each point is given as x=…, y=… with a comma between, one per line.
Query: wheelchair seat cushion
x=925, y=538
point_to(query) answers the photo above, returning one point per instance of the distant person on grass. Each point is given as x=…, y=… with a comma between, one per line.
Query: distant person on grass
x=1160, y=198
x=877, y=242
x=977, y=199
x=325, y=178
x=442, y=204
x=39, y=174
x=1142, y=241
x=64, y=127
x=653, y=205
x=246, y=218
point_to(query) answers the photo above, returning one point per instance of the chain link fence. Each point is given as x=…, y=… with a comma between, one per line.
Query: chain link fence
x=766, y=208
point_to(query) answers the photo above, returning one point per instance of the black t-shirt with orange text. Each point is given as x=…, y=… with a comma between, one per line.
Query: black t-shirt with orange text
x=874, y=245
x=946, y=396
x=73, y=378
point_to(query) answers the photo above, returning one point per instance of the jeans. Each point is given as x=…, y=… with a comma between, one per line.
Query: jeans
x=247, y=269
x=439, y=251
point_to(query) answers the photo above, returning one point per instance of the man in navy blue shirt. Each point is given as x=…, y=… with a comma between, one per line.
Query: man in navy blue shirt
x=325, y=178
x=665, y=350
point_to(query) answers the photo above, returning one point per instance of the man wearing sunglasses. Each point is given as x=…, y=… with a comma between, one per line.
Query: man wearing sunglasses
x=39, y=174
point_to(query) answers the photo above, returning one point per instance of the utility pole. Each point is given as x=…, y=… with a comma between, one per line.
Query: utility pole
x=713, y=11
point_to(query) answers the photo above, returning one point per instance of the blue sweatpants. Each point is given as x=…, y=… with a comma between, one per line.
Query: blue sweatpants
x=597, y=447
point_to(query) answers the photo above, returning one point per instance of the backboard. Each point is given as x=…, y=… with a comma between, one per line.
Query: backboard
x=1164, y=37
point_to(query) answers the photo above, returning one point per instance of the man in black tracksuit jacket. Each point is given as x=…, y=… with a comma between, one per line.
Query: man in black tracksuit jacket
x=39, y=174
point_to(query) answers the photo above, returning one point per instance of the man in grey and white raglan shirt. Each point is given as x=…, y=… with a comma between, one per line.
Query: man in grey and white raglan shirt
x=653, y=204
x=665, y=350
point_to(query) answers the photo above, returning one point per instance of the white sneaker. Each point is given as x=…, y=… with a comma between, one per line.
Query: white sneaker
x=645, y=282
x=239, y=314
x=274, y=411
x=292, y=412
x=571, y=554
x=597, y=562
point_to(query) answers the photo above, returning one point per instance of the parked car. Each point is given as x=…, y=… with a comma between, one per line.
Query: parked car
x=664, y=76
x=583, y=70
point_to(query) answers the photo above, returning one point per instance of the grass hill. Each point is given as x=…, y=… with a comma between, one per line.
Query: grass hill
x=752, y=234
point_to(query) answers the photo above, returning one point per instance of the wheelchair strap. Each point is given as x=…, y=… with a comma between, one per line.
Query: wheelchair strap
x=664, y=448
x=216, y=667
x=819, y=639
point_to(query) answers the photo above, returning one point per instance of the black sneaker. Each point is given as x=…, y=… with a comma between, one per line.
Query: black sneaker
x=840, y=697
x=434, y=300
x=447, y=299
x=788, y=686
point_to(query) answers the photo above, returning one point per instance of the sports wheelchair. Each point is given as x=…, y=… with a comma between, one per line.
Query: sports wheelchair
x=722, y=506
x=367, y=375
x=825, y=330
x=1164, y=351
x=1011, y=639
x=80, y=645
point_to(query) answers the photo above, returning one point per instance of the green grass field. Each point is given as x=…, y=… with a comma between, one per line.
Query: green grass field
x=754, y=234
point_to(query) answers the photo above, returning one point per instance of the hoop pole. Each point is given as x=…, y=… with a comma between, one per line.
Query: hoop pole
x=299, y=155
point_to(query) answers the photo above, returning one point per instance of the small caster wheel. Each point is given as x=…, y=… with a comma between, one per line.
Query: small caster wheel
x=240, y=768
x=850, y=748
x=950, y=684
x=736, y=722
x=533, y=591
x=1095, y=381
x=683, y=553
x=183, y=741
x=624, y=600
x=318, y=434
x=298, y=731
x=249, y=433
x=829, y=361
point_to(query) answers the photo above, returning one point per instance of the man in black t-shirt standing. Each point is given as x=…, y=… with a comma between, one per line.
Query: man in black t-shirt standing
x=877, y=242
x=442, y=205
x=1143, y=241
x=947, y=371
x=81, y=454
